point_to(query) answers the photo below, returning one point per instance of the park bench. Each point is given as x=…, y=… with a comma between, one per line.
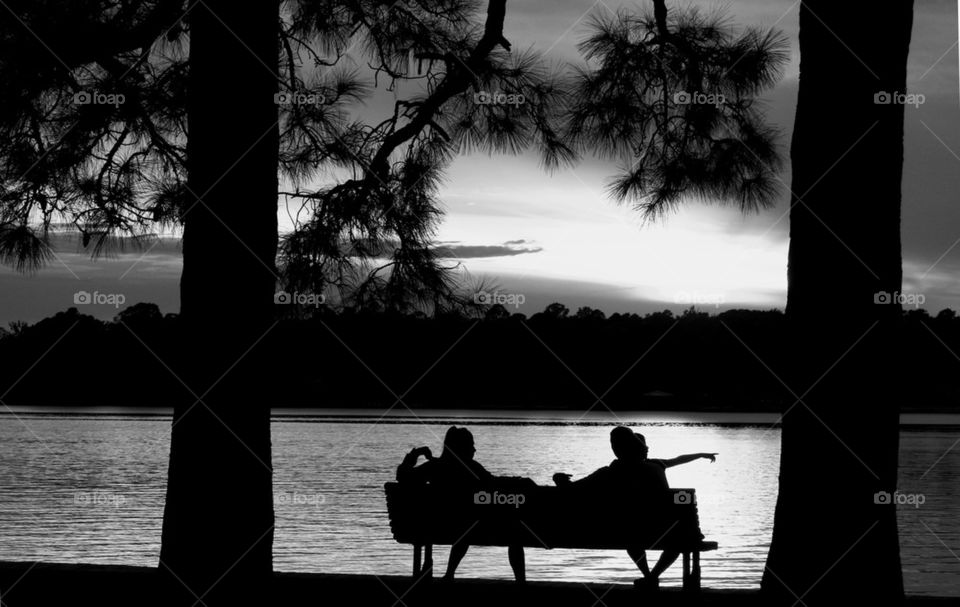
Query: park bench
x=542, y=517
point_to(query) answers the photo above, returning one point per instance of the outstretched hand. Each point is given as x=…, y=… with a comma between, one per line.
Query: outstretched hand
x=710, y=456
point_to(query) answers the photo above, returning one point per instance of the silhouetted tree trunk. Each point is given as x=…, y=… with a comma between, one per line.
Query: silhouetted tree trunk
x=218, y=521
x=831, y=542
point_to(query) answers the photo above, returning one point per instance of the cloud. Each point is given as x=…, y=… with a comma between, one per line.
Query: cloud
x=455, y=249
x=507, y=249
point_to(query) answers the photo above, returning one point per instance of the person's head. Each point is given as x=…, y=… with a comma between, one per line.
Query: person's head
x=623, y=442
x=642, y=448
x=458, y=443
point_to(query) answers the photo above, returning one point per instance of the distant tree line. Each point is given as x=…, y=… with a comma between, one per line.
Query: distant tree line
x=556, y=358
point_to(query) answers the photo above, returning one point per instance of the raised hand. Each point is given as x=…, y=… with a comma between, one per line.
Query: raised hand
x=416, y=452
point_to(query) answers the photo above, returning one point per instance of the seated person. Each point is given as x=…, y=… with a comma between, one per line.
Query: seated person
x=635, y=478
x=455, y=469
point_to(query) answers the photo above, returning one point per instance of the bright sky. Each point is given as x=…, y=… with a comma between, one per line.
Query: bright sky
x=578, y=247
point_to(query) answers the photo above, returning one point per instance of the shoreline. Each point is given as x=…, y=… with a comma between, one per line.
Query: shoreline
x=26, y=583
x=916, y=420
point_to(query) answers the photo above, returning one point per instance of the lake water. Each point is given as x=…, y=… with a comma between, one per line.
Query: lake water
x=89, y=487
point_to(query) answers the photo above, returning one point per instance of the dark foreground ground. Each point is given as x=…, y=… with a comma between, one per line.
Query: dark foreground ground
x=29, y=584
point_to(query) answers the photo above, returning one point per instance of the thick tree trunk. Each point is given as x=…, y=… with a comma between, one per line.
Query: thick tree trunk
x=218, y=521
x=831, y=541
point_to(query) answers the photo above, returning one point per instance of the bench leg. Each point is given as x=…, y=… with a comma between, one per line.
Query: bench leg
x=686, y=571
x=696, y=572
x=416, y=560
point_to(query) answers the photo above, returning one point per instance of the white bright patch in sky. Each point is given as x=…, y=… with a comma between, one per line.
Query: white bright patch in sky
x=586, y=236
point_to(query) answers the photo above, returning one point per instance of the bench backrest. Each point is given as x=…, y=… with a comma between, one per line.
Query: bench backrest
x=544, y=517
